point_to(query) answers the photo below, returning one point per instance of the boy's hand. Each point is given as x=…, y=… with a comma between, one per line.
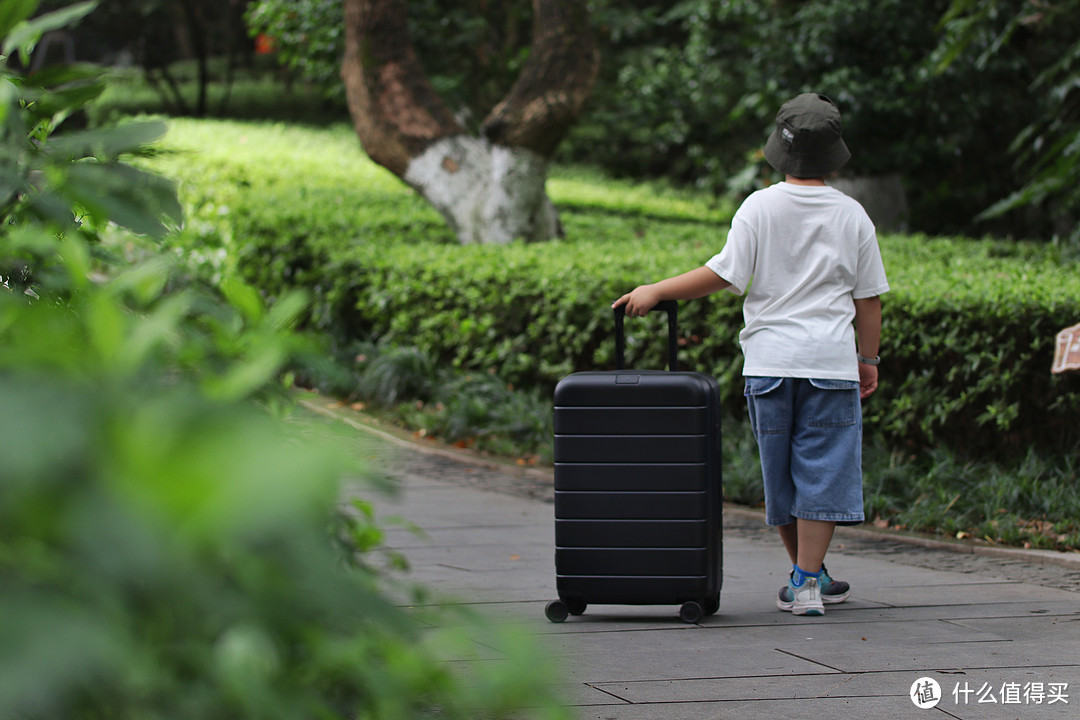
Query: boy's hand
x=638, y=301
x=868, y=376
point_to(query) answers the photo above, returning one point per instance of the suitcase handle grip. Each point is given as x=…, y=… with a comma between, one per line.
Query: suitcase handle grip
x=672, y=309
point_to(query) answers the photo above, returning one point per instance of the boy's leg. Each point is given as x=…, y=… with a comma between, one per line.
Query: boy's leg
x=826, y=466
x=772, y=407
x=806, y=542
x=789, y=535
x=807, y=589
x=813, y=541
x=832, y=591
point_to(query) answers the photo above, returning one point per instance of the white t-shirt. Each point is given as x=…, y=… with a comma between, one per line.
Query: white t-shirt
x=811, y=251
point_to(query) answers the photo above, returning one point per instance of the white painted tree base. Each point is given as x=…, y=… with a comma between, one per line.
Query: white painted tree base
x=488, y=193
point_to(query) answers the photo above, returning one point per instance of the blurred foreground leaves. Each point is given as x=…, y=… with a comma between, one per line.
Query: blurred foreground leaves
x=169, y=548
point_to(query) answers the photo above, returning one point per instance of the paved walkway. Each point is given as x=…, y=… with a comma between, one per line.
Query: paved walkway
x=999, y=636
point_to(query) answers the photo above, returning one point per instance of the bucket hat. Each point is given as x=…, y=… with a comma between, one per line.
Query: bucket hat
x=807, y=141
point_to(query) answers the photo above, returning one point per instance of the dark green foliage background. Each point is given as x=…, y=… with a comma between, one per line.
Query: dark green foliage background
x=970, y=102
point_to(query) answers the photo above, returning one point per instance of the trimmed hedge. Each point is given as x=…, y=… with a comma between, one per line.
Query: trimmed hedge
x=967, y=337
x=968, y=329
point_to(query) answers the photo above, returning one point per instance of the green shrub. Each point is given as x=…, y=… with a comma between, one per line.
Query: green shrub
x=968, y=333
x=1032, y=502
x=168, y=548
x=966, y=364
x=398, y=374
x=405, y=385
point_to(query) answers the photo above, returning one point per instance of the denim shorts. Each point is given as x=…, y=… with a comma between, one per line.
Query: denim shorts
x=809, y=435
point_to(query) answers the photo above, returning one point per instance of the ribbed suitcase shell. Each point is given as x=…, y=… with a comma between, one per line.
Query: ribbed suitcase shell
x=638, y=490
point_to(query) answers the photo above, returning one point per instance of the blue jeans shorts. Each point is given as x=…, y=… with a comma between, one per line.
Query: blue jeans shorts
x=809, y=435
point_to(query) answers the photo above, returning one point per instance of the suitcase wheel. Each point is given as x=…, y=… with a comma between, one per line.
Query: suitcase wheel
x=556, y=611
x=691, y=611
x=712, y=604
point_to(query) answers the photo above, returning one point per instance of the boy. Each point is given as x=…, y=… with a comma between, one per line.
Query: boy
x=813, y=256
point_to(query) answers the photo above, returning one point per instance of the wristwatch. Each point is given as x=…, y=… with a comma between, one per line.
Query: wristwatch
x=869, y=361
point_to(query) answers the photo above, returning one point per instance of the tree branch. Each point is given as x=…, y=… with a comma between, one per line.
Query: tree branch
x=396, y=112
x=555, y=83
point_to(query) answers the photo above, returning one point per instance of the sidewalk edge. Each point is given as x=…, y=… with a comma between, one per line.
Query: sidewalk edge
x=466, y=456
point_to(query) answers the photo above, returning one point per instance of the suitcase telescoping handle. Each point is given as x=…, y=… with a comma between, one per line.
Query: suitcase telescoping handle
x=672, y=309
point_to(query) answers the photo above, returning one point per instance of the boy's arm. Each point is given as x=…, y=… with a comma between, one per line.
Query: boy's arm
x=697, y=283
x=868, y=329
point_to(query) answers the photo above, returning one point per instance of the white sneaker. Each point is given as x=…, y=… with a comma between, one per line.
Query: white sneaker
x=805, y=600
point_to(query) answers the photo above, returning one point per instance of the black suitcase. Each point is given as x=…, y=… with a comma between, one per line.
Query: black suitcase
x=638, y=492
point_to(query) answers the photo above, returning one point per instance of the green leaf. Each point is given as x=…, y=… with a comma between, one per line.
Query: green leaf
x=11, y=182
x=160, y=328
x=145, y=281
x=52, y=76
x=58, y=104
x=124, y=195
x=10, y=118
x=76, y=258
x=251, y=373
x=107, y=328
x=24, y=36
x=52, y=208
x=244, y=298
x=286, y=310
x=108, y=143
x=1031, y=194
x=13, y=12
x=30, y=239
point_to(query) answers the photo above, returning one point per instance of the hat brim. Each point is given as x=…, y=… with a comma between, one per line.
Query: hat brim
x=799, y=165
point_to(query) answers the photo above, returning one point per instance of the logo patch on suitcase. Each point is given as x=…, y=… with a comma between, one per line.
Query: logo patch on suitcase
x=627, y=379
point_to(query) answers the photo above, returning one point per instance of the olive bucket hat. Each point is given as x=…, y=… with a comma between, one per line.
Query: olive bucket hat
x=807, y=141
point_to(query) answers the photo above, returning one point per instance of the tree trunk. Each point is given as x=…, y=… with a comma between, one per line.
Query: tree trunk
x=489, y=188
x=197, y=32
